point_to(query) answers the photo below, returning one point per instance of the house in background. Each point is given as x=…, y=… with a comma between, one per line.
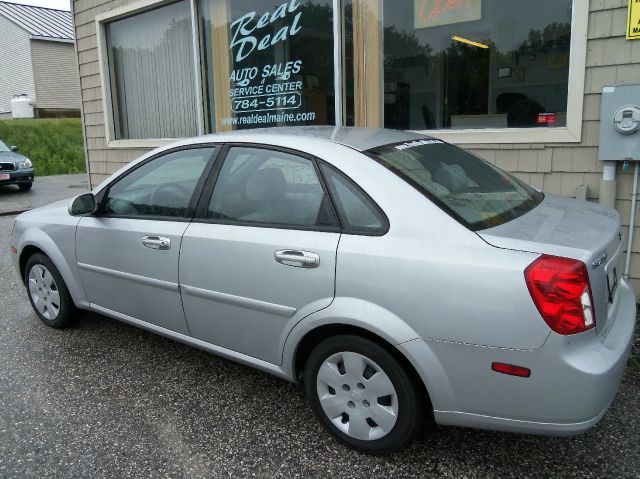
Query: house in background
x=37, y=58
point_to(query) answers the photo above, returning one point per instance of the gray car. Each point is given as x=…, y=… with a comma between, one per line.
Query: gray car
x=15, y=169
x=400, y=278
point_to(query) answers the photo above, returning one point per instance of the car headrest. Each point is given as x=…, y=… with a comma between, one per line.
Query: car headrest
x=266, y=185
x=452, y=177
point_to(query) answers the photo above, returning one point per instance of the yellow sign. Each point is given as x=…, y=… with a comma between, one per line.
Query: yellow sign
x=633, y=21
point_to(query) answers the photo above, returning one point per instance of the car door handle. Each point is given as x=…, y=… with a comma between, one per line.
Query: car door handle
x=299, y=259
x=156, y=242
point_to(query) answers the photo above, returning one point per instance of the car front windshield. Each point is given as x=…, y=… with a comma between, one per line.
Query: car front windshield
x=4, y=147
x=472, y=190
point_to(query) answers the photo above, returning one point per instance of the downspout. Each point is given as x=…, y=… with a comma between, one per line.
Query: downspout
x=632, y=224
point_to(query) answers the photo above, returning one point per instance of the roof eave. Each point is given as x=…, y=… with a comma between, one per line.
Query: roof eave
x=51, y=39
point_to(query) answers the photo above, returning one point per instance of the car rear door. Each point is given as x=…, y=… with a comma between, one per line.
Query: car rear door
x=128, y=253
x=260, y=254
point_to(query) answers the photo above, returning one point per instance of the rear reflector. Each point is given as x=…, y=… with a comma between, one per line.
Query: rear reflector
x=13, y=249
x=511, y=370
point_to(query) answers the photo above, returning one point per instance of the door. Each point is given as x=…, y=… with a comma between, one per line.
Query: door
x=128, y=254
x=261, y=253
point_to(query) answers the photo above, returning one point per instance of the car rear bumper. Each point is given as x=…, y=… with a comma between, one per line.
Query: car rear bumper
x=449, y=418
x=573, y=379
x=18, y=176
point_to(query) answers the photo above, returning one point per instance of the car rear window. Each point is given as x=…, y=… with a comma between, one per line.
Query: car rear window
x=476, y=193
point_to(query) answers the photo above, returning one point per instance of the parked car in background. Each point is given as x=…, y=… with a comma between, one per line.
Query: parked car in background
x=398, y=277
x=15, y=169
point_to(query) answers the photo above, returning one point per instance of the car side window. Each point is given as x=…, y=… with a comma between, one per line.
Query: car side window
x=265, y=186
x=357, y=212
x=162, y=187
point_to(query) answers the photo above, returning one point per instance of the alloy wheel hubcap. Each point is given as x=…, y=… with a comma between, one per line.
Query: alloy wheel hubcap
x=357, y=396
x=44, y=292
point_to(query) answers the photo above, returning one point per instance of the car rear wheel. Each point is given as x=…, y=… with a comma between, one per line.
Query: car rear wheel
x=48, y=293
x=363, y=395
x=25, y=186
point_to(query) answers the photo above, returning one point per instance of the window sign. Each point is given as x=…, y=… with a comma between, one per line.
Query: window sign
x=275, y=86
x=433, y=13
x=280, y=61
x=246, y=30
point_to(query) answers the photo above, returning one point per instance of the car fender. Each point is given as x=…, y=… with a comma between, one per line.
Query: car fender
x=384, y=324
x=38, y=238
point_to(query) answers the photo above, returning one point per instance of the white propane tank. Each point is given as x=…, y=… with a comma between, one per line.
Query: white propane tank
x=21, y=107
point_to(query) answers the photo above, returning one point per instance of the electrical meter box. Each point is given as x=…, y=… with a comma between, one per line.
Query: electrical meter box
x=620, y=123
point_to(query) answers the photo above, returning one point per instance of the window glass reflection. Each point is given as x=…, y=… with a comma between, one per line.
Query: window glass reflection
x=150, y=61
x=475, y=63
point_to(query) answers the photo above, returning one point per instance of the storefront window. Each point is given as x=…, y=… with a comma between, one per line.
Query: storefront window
x=449, y=65
x=151, y=74
x=267, y=63
x=460, y=64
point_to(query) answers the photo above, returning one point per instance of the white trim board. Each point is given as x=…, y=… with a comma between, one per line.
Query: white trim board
x=572, y=133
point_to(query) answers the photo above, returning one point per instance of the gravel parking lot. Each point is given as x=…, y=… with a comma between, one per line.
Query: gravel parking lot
x=106, y=400
x=46, y=189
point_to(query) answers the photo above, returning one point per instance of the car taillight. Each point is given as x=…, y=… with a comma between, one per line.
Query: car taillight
x=560, y=290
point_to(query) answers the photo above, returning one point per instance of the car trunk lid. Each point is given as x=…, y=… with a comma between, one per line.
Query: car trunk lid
x=576, y=229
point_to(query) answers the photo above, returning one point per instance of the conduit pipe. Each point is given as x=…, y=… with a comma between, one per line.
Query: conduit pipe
x=632, y=219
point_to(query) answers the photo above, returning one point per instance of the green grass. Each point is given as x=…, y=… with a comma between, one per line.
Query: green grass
x=53, y=145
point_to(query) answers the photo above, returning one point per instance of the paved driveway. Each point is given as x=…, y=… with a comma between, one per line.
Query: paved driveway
x=46, y=189
x=106, y=400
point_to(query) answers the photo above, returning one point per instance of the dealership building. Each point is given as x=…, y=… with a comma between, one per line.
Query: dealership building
x=517, y=82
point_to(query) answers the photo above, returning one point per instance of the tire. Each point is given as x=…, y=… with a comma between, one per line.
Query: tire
x=48, y=293
x=354, y=406
x=25, y=186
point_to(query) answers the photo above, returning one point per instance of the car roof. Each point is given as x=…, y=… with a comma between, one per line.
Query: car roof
x=358, y=138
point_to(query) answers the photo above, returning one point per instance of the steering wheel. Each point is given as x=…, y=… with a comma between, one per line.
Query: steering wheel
x=178, y=194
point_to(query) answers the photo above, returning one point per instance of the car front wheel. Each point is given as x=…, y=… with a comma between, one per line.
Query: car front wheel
x=363, y=395
x=48, y=293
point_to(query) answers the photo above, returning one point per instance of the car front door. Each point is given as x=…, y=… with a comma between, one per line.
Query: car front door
x=260, y=254
x=128, y=252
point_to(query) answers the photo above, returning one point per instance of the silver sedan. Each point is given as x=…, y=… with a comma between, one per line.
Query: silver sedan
x=401, y=279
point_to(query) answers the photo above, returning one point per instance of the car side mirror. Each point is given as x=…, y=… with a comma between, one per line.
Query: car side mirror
x=13, y=148
x=83, y=205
